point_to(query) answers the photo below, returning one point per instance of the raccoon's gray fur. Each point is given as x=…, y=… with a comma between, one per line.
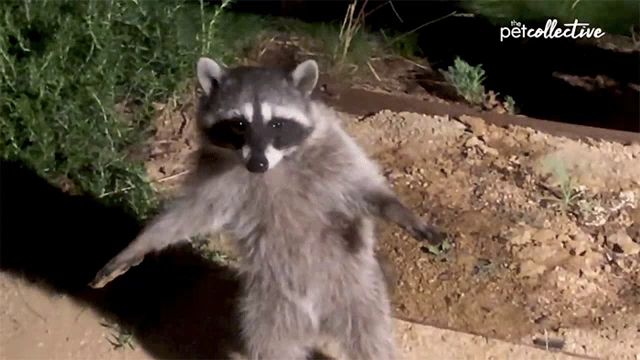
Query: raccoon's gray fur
x=278, y=173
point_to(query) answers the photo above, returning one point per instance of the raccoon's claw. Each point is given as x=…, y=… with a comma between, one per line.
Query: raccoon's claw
x=112, y=270
x=432, y=235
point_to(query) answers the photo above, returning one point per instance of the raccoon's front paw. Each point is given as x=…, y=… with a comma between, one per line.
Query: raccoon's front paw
x=112, y=270
x=431, y=234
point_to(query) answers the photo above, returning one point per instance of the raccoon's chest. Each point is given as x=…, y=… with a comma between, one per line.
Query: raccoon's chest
x=297, y=218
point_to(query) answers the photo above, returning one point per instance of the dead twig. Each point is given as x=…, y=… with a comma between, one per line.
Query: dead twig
x=421, y=26
x=171, y=177
x=161, y=180
x=109, y=193
x=265, y=47
x=377, y=8
x=395, y=11
x=184, y=124
x=373, y=71
x=351, y=24
x=415, y=63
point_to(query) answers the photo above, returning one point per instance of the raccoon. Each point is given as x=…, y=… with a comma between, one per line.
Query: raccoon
x=277, y=172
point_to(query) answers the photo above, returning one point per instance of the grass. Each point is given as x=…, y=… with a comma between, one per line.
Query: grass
x=347, y=45
x=322, y=40
x=439, y=250
x=78, y=81
x=510, y=104
x=119, y=338
x=351, y=25
x=201, y=246
x=405, y=45
x=567, y=192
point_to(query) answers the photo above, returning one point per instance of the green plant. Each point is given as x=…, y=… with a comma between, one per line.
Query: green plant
x=322, y=40
x=201, y=245
x=351, y=25
x=439, y=250
x=78, y=79
x=510, y=104
x=467, y=80
x=119, y=336
x=567, y=192
x=404, y=44
x=209, y=31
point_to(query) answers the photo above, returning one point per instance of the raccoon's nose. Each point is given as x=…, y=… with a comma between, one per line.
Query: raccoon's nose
x=257, y=164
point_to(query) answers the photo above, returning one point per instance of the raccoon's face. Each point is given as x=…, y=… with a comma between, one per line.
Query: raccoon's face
x=260, y=113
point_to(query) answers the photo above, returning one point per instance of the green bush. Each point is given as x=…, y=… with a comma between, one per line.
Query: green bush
x=65, y=65
x=467, y=80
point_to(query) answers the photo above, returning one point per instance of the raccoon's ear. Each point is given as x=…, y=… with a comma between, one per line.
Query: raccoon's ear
x=305, y=76
x=209, y=74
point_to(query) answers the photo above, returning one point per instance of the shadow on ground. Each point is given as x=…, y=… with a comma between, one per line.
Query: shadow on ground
x=176, y=303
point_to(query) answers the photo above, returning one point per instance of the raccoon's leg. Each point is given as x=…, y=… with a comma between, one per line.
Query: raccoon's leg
x=275, y=328
x=387, y=206
x=389, y=273
x=364, y=327
x=264, y=341
x=186, y=217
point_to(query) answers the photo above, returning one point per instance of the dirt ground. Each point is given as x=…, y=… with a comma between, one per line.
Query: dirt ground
x=546, y=229
x=46, y=327
x=524, y=262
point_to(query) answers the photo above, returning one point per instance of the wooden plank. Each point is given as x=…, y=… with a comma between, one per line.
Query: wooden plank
x=363, y=102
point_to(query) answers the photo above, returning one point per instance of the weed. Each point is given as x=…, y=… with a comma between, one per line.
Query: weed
x=410, y=38
x=484, y=267
x=216, y=256
x=350, y=27
x=119, y=336
x=201, y=245
x=439, y=250
x=467, y=80
x=209, y=32
x=242, y=32
x=567, y=193
x=406, y=46
x=322, y=40
x=510, y=104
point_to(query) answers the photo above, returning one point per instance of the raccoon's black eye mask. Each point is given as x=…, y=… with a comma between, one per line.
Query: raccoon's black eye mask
x=287, y=132
x=228, y=133
x=281, y=132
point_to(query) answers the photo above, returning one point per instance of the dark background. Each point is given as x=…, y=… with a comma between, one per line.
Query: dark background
x=521, y=68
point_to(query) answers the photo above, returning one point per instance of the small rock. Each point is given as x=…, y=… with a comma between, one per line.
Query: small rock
x=634, y=231
x=624, y=242
x=521, y=238
x=491, y=151
x=579, y=243
x=473, y=142
x=549, y=343
x=477, y=125
x=544, y=236
x=530, y=269
x=158, y=106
